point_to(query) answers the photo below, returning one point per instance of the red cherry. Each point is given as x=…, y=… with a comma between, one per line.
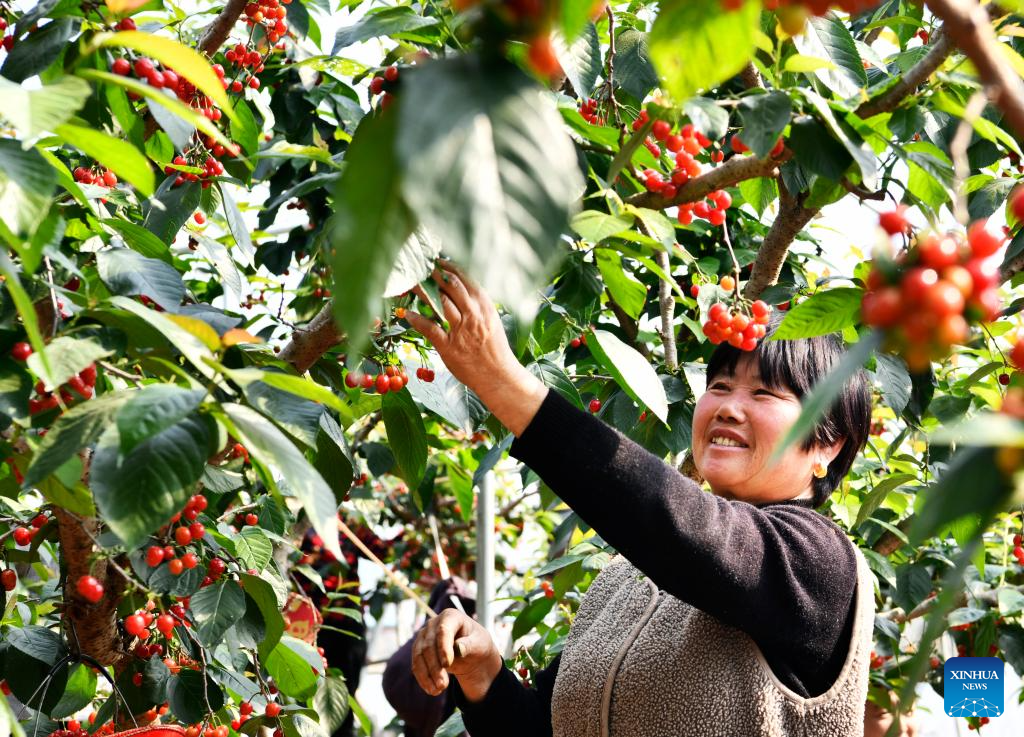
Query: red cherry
x=983, y=240
x=595, y=406
x=21, y=351
x=89, y=589
x=376, y=85
x=122, y=67
x=199, y=218
x=154, y=556
x=383, y=383
x=1017, y=204
x=182, y=536
x=1004, y=379
x=39, y=520
x=396, y=383
x=175, y=566
x=126, y=24
x=134, y=624
x=760, y=309
x=272, y=710
x=254, y=82
x=391, y=74
x=143, y=68
x=9, y=579
x=165, y=623
x=189, y=560
x=694, y=290
x=197, y=529
x=22, y=536
x=894, y=221
x=216, y=567
x=251, y=519
x=352, y=379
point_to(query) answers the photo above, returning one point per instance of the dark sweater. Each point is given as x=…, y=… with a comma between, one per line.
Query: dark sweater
x=780, y=572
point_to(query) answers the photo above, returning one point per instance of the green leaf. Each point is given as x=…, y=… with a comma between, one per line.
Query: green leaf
x=254, y=548
x=120, y=157
x=166, y=465
x=333, y=457
x=236, y=223
x=154, y=409
x=450, y=399
x=531, y=616
x=859, y=151
x=291, y=664
x=413, y=263
x=827, y=37
x=370, y=225
x=26, y=187
x=696, y=44
x=816, y=150
x=818, y=401
x=580, y=59
x=187, y=62
x=73, y=431
x=634, y=71
x=217, y=254
x=1011, y=601
x=630, y=370
x=215, y=608
x=764, y=119
x=170, y=207
x=244, y=128
x=453, y=726
x=386, y=22
x=707, y=116
x=878, y=494
x=40, y=643
x=331, y=701
x=35, y=52
x=759, y=192
x=891, y=372
x=188, y=694
x=270, y=447
x=298, y=386
x=630, y=294
x=406, y=435
x=489, y=168
x=131, y=274
x=33, y=112
x=828, y=311
x=594, y=226
x=79, y=692
x=554, y=377
x=913, y=585
x=140, y=240
x=66, y=357
x=270, y=605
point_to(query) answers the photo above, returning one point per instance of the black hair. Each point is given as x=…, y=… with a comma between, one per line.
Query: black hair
x=797, y=365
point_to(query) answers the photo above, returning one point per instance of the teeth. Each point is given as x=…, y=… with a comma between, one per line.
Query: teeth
x=726, y=441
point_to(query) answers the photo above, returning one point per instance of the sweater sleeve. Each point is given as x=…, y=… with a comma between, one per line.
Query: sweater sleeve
x=510, y=709
x=782, y=573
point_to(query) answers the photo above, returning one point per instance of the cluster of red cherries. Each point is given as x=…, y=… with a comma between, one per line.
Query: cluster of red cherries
x=741, y=326
x=84, y=385
x=208, y=161
x=925, y=298
x=184, y=535
x=95, y=175
x=23, y=535
x=8, y=41
x=272, y=14
x=1018, y=549
x=392, y=379
x=382, y=84
x=588, y=111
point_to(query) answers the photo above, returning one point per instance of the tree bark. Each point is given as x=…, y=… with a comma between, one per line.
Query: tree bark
x=792, y=218
x=732, y=172
x=312, y=341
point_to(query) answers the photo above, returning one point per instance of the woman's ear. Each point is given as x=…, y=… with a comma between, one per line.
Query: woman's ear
x=831, y=451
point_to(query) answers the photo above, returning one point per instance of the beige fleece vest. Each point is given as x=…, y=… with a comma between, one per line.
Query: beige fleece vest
x=639, y=662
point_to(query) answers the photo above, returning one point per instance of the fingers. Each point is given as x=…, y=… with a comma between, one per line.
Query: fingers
x=428, y=328
x=454, y=289
x=425, y=666
x=451, y=312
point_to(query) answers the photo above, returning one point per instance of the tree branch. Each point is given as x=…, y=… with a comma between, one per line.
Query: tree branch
x=218, y=31
x=751, y=77
x=667, y=307
x=733, y=171
x=970, y=28
x=908, y=83
x=792, y=218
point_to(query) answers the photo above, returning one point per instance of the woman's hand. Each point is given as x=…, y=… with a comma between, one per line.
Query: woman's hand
x=455, y=643
x=476, y=351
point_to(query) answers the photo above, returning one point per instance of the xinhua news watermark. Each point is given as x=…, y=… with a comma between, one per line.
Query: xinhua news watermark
x=973, y=687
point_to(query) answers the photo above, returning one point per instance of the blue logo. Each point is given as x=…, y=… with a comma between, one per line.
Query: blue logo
x=973, y=687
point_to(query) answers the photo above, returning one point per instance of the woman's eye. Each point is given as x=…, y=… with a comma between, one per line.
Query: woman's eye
x=764, y=391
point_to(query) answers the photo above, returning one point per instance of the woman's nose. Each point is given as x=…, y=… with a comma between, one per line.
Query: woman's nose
x=730, y=408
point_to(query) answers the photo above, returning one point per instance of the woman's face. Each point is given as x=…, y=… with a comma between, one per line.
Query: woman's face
x=744, y=409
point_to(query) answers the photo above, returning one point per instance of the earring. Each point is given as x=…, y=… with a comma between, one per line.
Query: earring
x=820, y=470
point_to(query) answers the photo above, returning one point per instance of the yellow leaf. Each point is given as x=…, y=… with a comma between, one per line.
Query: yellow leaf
x=198, y=328
x=801, y=63
x=237, y=335
x=185, y=62
x=124, y=7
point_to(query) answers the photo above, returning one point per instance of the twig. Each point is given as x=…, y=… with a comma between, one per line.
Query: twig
x=667, y=305
x=958, y=152
x=942, y=46
x=733, y=171
x=611, y=72
x=970, y=27
x=344, y=529
x=861, y=193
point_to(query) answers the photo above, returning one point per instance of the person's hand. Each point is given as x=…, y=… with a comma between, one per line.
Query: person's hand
x=457, y=644
x=476, y=351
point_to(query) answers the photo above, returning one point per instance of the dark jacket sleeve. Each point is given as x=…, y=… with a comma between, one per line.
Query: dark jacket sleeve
x=510, y=709
x=782, y=573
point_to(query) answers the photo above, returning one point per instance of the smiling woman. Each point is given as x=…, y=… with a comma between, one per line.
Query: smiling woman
x=740, y=612
x=751, y=402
